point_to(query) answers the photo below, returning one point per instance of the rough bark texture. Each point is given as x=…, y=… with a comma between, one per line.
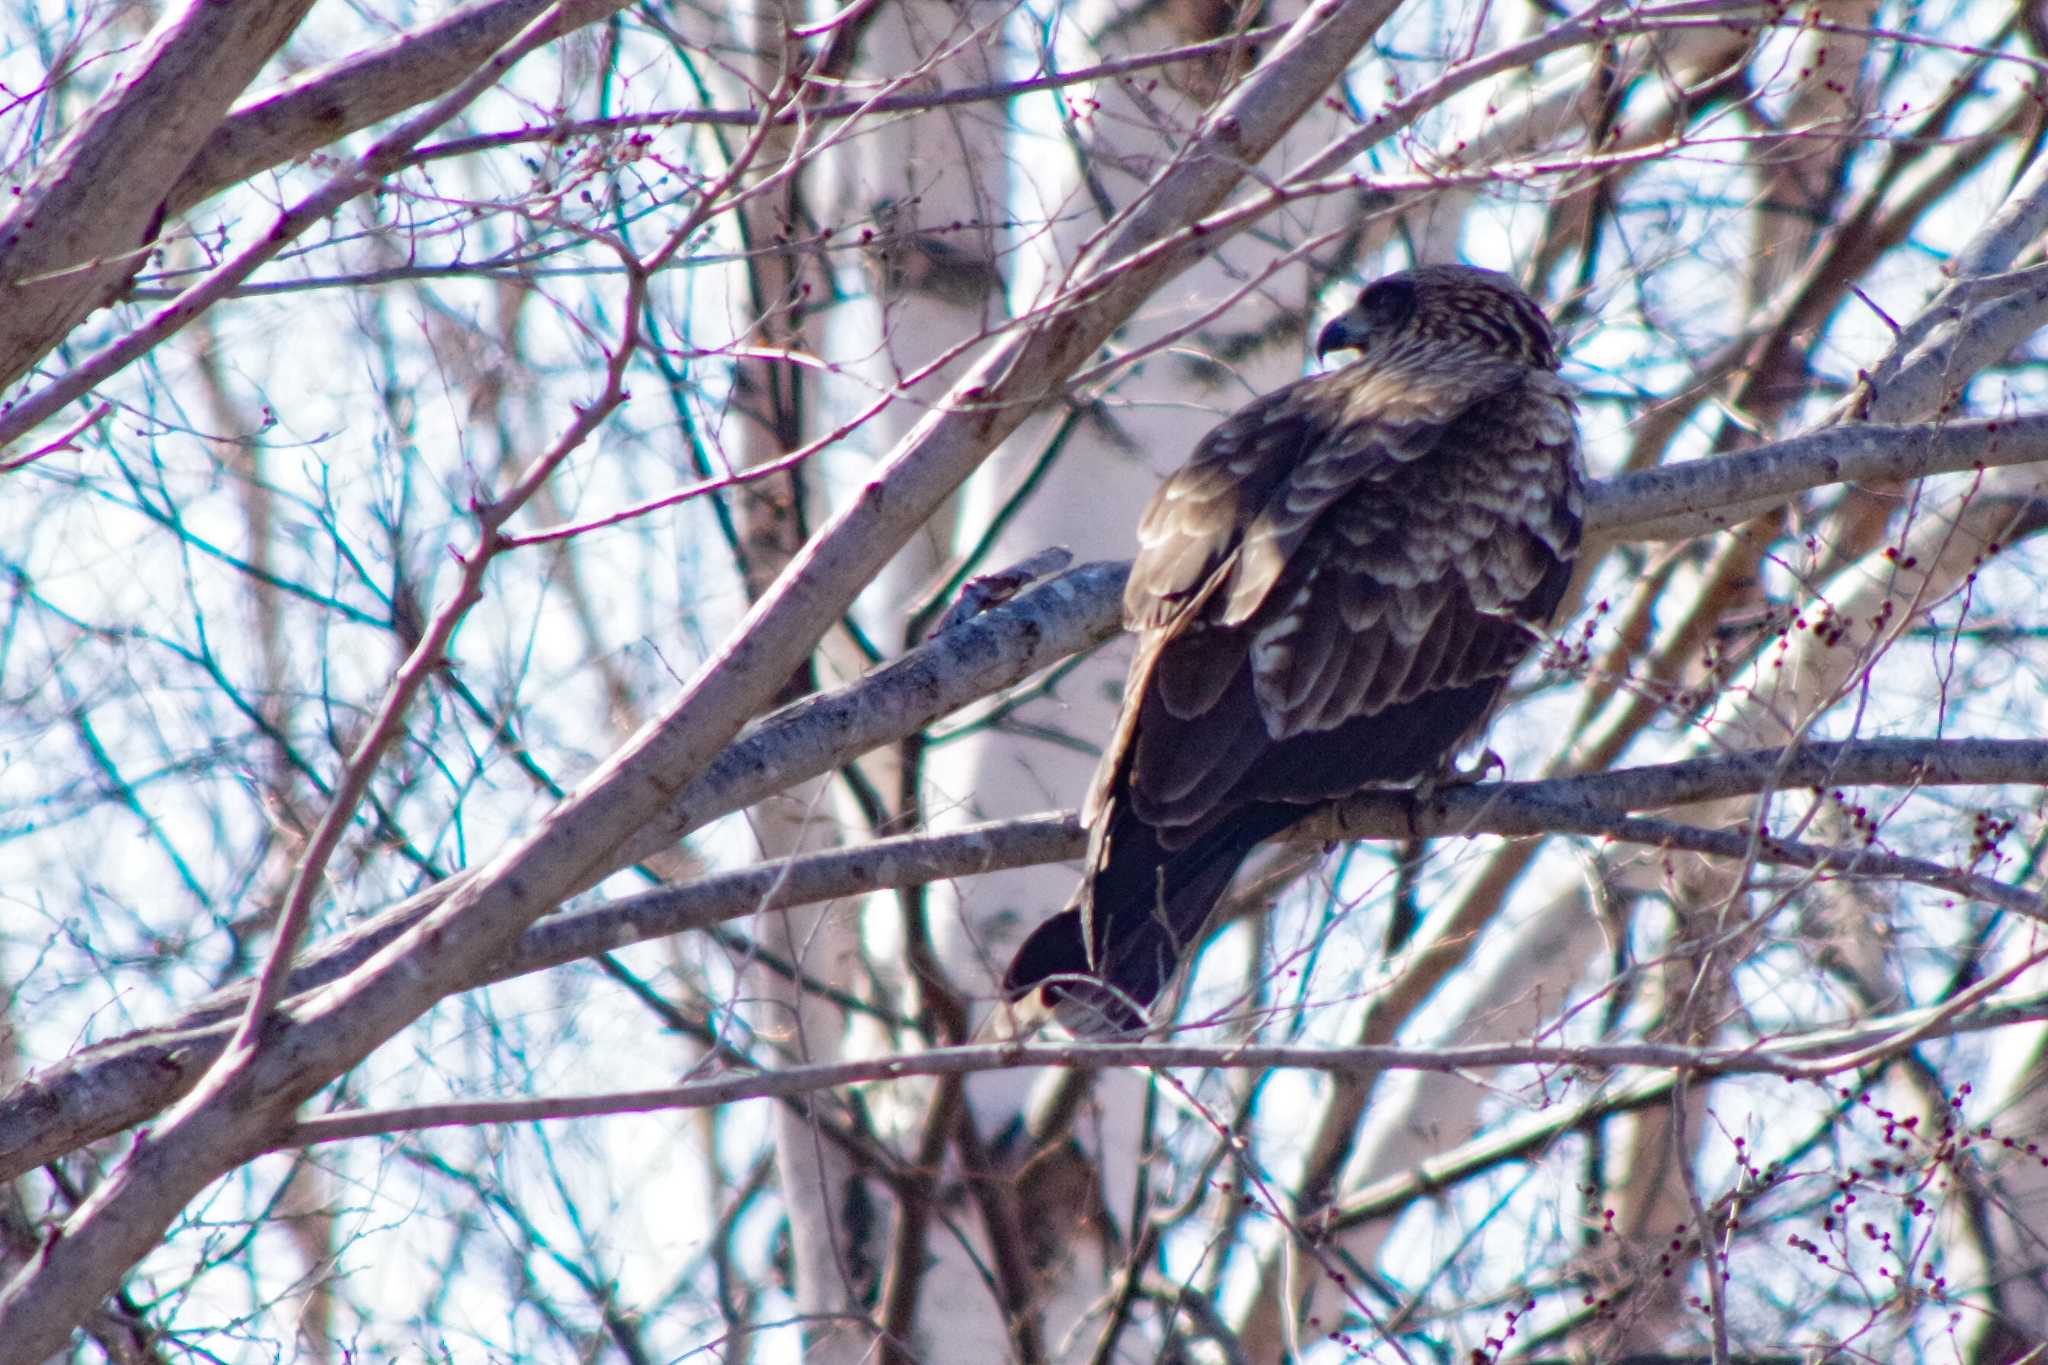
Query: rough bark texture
x=86, y=221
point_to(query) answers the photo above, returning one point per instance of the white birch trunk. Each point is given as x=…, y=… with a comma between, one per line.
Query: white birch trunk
x=925, y=195
x=771, y=417
x=1109, y=459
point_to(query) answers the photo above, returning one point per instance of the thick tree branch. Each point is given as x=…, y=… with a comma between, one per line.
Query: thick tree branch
x=376, y=162
x=1170, y=164
x=1079, y=609
x=1595, y=805
x=81, y=229
x=1559, y=804
x=1695, y=496
x=1066, y=614
x=234, y=1114
x=318, y=108
x=126, y=1081
x=323, y=106
x=594, y=832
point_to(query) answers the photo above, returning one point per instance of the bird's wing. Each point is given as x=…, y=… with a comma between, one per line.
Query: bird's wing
x=1189, y=543
x=1425, y=575
x=1352, y=556
x=1257, y=483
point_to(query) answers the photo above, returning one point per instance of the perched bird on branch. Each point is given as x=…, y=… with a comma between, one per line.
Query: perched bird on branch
x=1329, y=596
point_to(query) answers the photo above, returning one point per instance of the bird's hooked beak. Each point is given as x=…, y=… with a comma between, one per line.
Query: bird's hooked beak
x=1339, y=335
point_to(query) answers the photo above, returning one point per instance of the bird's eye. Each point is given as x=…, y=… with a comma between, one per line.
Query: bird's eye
x=1387, y=303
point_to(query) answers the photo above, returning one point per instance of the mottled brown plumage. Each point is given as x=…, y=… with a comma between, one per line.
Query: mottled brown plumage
x=1329, y=596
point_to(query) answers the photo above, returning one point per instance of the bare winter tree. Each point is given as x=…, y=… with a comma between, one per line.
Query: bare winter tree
x=541, y=687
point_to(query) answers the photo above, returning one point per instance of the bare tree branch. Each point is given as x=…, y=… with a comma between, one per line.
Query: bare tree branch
x=229, y=1119
x=318, y=108
x=84, y=224
x=125, y=1081
x=375, y=163
x=850, y=270
x=1809, y=1057
x=1677, y=500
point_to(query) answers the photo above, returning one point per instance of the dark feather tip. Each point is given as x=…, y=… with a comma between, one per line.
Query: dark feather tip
x=1055, y=948
x=1054, y=959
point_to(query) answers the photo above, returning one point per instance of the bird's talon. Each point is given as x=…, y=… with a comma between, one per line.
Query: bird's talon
x=1486, y=761
x=1451, y=774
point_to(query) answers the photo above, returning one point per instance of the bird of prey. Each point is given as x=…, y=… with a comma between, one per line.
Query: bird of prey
x=1329, y=596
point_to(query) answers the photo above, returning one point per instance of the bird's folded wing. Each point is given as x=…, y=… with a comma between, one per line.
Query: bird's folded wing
x=1383, y=630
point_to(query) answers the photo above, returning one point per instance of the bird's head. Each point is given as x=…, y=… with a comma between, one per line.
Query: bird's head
x=1440, y=313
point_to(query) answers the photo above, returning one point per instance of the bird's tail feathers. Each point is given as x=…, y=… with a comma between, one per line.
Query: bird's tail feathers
x=1104, y=959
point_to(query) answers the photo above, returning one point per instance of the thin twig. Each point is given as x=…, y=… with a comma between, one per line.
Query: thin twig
x=1811, y=1058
